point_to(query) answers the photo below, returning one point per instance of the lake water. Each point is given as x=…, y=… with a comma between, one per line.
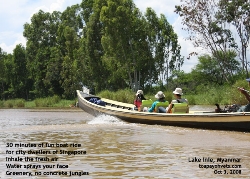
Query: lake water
x=74, y=144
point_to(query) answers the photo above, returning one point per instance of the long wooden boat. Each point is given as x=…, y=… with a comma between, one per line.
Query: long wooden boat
x=235, y=121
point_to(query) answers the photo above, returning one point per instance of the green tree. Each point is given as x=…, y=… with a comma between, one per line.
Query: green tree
x=208, y=71
x=144, y=68
x=118, y=42
x=8, y=76
x=53, y=77
x=94, y=71
x=3, y=73
x=69, y=66
x=163, y=42
x=184, y=80
x=41, y=36
x=19, y=77
x=69, y=34
x=152, y=27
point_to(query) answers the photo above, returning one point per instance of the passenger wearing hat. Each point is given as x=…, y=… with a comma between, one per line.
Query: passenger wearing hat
x=177, y=94
x=160, y=98
x=245, y=108
x=138, y=99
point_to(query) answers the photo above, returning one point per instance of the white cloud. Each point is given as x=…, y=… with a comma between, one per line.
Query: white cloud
x=57, y=6
x=159, y=6
x=14, y=14
x=17, y=39
x=50, y=6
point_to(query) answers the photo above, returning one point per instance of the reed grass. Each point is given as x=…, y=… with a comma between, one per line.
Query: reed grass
x=49, y=102
x=224, y=95
x=1, y=104
x=207, y=95
x=13, y=103
x=126, y=95
x=106, y=94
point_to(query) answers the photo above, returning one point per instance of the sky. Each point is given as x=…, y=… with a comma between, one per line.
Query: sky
x=14, y=14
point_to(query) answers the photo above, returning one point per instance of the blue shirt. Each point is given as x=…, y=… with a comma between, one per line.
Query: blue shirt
x=153, y=105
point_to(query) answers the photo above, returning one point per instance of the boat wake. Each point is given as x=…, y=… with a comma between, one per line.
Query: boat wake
x=105, y=119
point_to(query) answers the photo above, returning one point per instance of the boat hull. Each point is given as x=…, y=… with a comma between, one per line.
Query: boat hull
x=217, y=121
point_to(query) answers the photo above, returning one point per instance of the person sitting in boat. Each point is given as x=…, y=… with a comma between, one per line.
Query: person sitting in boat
x=160, y=98
x=177, y=94
x=245, y=108
x=138, y=99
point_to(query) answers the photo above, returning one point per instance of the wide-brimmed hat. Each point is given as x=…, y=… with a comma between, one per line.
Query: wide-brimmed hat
x=139, y=92
x=178, y=91
x=248, y=79
x=159, y=95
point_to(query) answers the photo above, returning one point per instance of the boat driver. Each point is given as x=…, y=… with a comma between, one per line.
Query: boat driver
x=245, y=108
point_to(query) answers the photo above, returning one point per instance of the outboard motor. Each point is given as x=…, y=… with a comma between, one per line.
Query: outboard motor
x=228, y=108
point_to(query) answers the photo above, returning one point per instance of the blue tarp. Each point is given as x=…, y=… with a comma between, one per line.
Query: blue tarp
x=97, y=101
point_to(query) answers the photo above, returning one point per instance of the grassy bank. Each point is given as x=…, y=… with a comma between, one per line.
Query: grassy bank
x=207, y=95
x=224, y=95
x=49, y=102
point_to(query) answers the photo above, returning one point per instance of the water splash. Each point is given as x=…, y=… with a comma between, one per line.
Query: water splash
x=106, y=119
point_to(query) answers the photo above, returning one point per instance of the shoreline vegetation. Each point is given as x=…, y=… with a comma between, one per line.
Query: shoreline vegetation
x=49, y=102
x=223, y=95
x=89, y=44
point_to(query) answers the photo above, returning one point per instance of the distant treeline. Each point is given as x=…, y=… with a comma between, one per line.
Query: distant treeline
x=110, y=45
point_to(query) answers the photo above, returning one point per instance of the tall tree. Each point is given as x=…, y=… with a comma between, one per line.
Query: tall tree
x=70, y=65
x=152, y=27
x=206, y=31
x=70, y=31
x=8, y=75
x=141, y=54
x=96, y=75
x=118, y=41
x=163, y=42
x=3, y=73
x=19, y=78
x=237, y=13
x=41, y=36
x=53, y=77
